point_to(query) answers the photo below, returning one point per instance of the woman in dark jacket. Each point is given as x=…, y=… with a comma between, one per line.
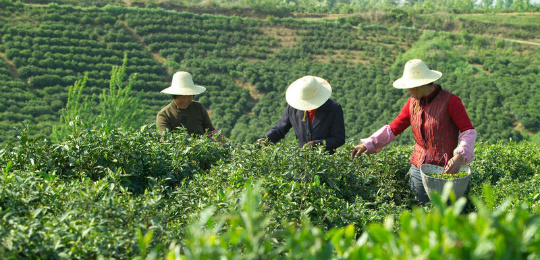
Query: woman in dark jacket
x=316, y=119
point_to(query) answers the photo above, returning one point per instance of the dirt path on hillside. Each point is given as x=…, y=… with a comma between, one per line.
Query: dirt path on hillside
x=12, y=68
x=520, y=41
x=253, y=92
x=513, y=13
x=127, y=2
x=158, y=58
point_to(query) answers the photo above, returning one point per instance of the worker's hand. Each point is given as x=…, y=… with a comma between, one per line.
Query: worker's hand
x=262, y=141
x=454, y=164
x=309, y=144
x=216, y=136
x=358, y=150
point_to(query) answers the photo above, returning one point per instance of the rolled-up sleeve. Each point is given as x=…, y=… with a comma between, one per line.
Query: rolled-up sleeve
x=379, y=139
x=465, y=148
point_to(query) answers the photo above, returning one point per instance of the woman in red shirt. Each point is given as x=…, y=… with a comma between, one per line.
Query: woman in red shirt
x=440, y=124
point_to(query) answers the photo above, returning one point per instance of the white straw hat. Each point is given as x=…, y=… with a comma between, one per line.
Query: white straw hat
x=182, y=84
x=308, y=93
x=416, y=74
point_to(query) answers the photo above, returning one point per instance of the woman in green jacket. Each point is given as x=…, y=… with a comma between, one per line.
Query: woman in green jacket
x=183, y=111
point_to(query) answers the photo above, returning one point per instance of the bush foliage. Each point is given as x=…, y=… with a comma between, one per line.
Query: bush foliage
x=108, y=186
x=127, y=194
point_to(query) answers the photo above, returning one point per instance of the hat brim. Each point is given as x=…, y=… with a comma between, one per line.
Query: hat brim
x=195, y=90
x=404, y=83
x=325, y=91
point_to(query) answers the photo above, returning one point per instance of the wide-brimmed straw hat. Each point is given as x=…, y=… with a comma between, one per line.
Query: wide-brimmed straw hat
x=308, y=93
x=182, y=84
x=416, y=74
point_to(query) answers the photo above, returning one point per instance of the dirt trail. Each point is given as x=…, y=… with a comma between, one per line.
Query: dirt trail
x=158, y=58
x=520, y=41
x=12, y=68
x=253, y=92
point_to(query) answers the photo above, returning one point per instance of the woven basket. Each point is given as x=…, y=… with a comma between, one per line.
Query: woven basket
x=436, y=184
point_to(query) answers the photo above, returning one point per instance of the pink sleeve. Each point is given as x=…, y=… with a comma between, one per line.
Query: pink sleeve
x=378, y=140
x=465, y=147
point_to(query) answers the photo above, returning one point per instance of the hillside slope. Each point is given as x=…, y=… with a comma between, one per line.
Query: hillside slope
x=247, y=63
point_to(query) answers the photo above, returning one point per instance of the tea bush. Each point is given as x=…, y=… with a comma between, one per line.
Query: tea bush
x=80, y=218
x=139, y=155
x=331, y=190
x=128, y=194
x=441, y=233
x=511, y=168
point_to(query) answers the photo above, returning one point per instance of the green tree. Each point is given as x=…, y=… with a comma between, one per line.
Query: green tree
x=518, y=5
x=499, y=4
x=486, y=4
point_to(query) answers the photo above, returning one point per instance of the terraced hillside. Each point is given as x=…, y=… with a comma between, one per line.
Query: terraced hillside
x=246, y=63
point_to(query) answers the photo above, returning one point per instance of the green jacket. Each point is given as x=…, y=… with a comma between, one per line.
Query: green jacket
x=194, y=118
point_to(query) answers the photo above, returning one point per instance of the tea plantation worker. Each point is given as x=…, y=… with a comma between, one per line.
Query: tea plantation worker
x=315, y=118
x=439, y=123
x=183, y=111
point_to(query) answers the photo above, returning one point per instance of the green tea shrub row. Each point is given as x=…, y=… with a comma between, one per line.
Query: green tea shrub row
x=125, y=194
x=444, y=232
x=139, y=156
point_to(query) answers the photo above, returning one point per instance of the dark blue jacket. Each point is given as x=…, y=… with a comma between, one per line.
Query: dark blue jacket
x=328, y=126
